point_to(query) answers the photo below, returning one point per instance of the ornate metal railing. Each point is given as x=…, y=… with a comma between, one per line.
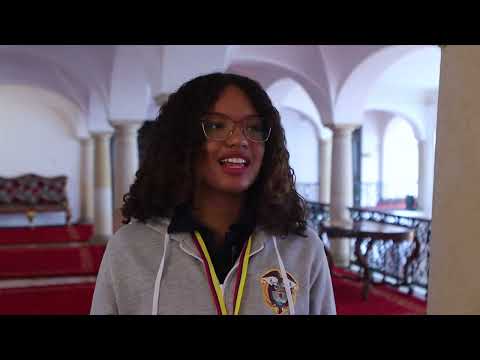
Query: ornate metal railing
x=388, y=258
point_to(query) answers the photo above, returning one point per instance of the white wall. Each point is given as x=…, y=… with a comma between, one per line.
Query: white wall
x=302, y=145
x=372, y=133
x=36, y=139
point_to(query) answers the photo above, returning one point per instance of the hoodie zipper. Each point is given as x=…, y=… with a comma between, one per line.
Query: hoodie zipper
x=236, y=263
x=233, y=269
x=222, y=286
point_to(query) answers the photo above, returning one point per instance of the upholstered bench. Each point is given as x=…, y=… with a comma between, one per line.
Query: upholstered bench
x=31, y=194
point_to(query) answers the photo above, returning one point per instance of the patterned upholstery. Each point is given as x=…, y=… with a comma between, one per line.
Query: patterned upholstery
x=31, y=192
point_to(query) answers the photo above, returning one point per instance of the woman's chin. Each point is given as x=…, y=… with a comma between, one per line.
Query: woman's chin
x=234, y=189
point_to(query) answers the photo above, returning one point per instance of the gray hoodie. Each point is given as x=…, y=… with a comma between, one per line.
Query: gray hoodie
x=146, y=271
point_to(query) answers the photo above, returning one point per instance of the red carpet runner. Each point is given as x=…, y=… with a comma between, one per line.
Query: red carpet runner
x=51, y=253
x=382, y=299
x=61, y=255
x=46, y=234
x=71, y=299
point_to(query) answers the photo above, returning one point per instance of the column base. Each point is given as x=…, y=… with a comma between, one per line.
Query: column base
x=340, y=248
x=86, y=221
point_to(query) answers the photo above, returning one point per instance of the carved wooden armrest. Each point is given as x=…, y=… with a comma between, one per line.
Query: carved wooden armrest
x=31, y=213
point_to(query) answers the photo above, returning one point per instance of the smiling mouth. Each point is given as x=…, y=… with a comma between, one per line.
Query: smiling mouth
x=234, y=163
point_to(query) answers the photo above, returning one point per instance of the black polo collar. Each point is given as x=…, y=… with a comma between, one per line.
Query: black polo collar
x=183, y=221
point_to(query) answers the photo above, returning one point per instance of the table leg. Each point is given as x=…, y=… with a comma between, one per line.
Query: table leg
x=363, y=262
x=413, y=256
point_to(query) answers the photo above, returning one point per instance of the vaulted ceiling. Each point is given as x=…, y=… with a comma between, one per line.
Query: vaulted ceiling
x=329, y=83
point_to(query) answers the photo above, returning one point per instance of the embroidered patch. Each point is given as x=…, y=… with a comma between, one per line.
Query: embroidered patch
x=274, y=293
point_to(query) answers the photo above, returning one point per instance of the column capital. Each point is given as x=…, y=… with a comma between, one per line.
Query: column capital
x=104, y=135
x=342, y=129
x=86, y=141
x=325, y=140
x=125, y=127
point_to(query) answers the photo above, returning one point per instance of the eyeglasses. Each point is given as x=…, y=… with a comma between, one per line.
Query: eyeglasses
x=219, y=127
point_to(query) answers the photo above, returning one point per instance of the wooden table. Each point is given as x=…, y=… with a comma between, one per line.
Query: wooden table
x=372, y=232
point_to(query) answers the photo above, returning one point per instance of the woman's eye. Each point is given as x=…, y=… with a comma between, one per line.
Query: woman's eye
x=214, y=126
x=256, y=128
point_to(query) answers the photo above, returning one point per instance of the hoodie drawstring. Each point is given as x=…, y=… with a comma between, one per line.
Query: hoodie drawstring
x=286, y=281
x=158, y=279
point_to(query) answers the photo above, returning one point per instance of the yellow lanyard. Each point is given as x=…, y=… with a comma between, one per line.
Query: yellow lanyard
x=213, y=279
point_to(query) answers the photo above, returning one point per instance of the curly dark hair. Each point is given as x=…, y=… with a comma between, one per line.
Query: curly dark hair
x=165, y=178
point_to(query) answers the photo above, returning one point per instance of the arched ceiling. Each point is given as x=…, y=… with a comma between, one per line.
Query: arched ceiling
x=267, y=73
x=66, y=109
x=20, y=68
x=342, y=81
x=418, y=70
x=408, y=86
x=288, y=94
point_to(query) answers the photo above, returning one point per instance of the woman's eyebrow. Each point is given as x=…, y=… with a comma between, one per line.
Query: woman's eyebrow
x=222, y=114
x=216, y=113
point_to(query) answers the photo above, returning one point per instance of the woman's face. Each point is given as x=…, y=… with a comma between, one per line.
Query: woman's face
x=231, y=165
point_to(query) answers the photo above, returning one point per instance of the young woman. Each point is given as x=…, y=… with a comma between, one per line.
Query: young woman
x=214, y=224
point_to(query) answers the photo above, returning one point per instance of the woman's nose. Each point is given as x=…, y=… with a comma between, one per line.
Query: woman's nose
x=237, y=136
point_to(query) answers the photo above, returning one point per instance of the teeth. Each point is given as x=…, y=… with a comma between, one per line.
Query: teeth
x=234, y=161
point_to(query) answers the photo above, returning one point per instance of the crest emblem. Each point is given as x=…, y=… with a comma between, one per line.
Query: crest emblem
x=274, y=290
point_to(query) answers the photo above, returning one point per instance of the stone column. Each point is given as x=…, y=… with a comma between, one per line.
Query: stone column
x=430, y=116
x=381, y=160
x=422, y=175
x=341, y=194
x=103, y=187
x=325, y=157
x=430, y=178
x=126, y=163
x=455, y=246
x=87, y=181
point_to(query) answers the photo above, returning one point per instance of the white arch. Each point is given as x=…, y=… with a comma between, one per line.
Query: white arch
x=306, y=61
x=64, y=107
x=289, y=94
x=412, y=119
x=354, y=91
x=304, y=117
x=22, y=67
x=268, y=73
